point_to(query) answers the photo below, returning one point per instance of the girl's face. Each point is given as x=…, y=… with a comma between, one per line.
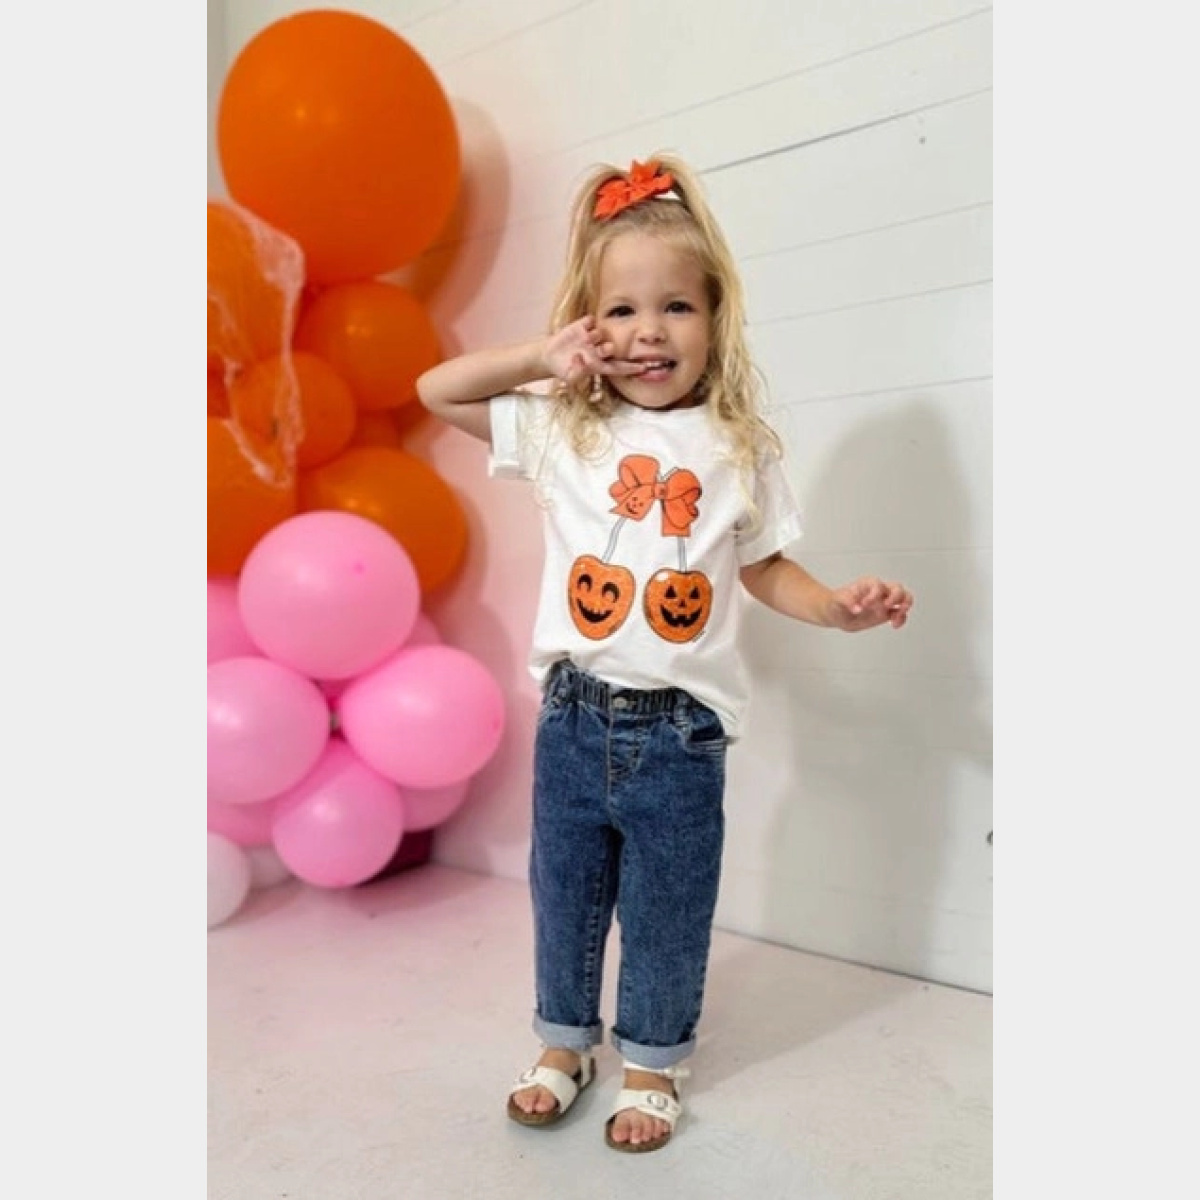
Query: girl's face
x=653, y=306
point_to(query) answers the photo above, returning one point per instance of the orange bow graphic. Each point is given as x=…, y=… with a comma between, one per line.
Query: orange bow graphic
x=638, y=487
x=645, y=180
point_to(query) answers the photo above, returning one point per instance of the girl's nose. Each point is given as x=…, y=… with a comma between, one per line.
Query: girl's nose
x=651, y=330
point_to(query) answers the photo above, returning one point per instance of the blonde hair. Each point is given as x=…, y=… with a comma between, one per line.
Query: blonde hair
x=733, y=385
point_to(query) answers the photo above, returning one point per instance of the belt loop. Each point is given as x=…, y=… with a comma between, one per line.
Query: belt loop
x=565, y=679
x=556, y=681
x=681, y=715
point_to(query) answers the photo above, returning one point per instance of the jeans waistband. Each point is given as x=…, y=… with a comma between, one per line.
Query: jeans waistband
x=567, y=681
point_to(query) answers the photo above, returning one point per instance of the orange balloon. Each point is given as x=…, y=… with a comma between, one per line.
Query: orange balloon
x=334, y=129
x=402, y=493
x=248, y=495
x=298, y=400
x=379, y=429
x=388, y=427
x=376, y=335
x=218, y=394
x=406, y=419
x=255, y=274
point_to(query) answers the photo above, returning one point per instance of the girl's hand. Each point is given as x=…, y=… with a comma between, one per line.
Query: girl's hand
x=868, y=602
x=580, y=349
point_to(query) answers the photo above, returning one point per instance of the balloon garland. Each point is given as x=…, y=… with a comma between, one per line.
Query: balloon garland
x=338, y=719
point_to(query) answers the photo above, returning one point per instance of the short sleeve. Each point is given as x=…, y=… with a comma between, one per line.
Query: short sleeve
x=522, y=429
x=778, y=523
x=504, y=461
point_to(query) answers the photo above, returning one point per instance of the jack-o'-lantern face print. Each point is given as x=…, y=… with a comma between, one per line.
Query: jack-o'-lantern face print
x=599, y=595
x=678, y=604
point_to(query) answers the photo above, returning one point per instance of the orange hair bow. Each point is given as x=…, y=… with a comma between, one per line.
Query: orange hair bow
x=645, y=181
x=638, y=487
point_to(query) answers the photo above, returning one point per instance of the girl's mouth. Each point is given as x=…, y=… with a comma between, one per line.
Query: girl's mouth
x=655, y=370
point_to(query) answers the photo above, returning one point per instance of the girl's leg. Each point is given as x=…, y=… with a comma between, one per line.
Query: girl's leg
x=573, y=879
x=670, y=812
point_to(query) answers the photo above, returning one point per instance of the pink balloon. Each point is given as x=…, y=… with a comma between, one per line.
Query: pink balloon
x=425, y=808
x=332, y=689
x=341, y=824
x=227, y=636
x=330, y=594
x=245, y=824
x=424, y=633
x=428, y=717
x=267, y=726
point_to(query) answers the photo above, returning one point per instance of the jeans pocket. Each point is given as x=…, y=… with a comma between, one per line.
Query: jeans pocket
x=553, y=702
x=701, y=731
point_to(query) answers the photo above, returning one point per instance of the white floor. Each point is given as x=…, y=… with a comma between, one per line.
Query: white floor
x=361, y=1043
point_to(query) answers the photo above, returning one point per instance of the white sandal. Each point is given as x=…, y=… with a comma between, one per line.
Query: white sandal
x=562, y=1086
x=654, y=1103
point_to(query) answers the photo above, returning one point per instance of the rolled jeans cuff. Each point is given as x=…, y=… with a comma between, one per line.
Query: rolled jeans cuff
x=653, y=1058
x=582, y=1040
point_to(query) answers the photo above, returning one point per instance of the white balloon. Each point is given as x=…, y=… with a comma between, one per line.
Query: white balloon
x=228, y=878
x=266, y=867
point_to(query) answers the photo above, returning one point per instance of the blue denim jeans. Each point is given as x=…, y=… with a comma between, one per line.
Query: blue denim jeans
x=627, y=812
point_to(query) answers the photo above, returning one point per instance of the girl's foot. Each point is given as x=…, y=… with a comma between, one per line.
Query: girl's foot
x=537, y=1099
x=637, y=1128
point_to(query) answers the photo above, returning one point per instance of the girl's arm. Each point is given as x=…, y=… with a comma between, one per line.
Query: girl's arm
x=788, y=588
x=459, y=390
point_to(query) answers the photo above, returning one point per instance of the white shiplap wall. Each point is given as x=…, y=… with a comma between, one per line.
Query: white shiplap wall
x=846, y=147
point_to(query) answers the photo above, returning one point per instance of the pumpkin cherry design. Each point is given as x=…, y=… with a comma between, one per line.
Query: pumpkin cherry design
x=677, y=603
x=599, y=592
x=599, y=596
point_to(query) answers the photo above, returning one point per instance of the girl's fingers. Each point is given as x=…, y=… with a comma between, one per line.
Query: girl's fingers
x=852, y=599
x=862, y=592
x=898, y=601
x=619, y=366
x=872, y=602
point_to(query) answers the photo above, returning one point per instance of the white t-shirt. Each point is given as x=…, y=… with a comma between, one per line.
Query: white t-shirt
x=644, y=544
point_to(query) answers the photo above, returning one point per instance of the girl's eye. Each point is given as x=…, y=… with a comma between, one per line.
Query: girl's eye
x=679, y=306
x=619, y=310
